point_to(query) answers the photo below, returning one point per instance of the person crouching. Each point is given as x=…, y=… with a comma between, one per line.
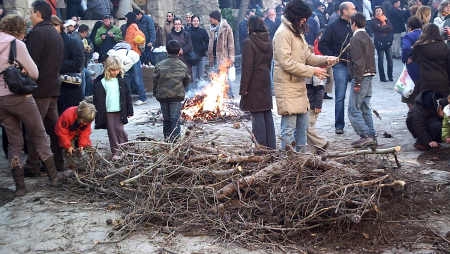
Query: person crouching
x=74, y=127
x=169, y=82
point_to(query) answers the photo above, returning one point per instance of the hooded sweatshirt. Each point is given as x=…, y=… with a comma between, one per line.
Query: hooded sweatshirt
x=22, y=56
x=255, y=80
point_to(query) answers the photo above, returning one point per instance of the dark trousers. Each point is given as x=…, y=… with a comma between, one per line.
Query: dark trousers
x=48, y=109
x=263, y=128
x=171, y=119
x=116, y=132
x=18, y=109
x=381, y=52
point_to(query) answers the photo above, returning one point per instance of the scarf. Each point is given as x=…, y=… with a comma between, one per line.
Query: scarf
x=382, y=19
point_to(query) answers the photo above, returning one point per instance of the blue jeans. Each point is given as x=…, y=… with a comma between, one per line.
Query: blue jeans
x=171, y=119
x=359, y=110
x=340, y=73
x=293, y=131
x=137, y=80
x=198, y=70
x=86, y=84
x=388, y=52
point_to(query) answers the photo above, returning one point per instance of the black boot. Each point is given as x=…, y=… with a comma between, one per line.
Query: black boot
x=56, y=178
x=17, y=172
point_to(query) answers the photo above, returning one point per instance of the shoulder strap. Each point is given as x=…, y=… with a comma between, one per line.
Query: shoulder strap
x=12, y=52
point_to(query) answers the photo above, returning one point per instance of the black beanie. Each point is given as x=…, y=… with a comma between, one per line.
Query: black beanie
x=131, y=18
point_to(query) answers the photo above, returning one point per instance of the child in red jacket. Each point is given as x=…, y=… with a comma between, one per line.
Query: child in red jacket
x=74, y=127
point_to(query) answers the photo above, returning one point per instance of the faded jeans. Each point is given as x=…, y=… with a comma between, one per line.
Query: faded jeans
x=138, y=81
x=198, y=70
x=359, y=110
x=171, y=112
x=293, y=131
x=390, y=66
x=340, y=73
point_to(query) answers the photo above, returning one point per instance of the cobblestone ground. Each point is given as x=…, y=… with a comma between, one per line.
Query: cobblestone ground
x=49, y=221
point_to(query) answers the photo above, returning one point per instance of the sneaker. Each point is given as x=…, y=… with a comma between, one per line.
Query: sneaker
x=363, y=143
x=139, y=102
x=339, y=131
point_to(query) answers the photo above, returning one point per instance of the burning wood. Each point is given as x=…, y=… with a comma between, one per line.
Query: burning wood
x=211, y=102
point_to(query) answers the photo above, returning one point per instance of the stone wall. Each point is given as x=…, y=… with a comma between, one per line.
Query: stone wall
x=202, y=8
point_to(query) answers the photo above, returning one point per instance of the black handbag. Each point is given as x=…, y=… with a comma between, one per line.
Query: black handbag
x=18, y=82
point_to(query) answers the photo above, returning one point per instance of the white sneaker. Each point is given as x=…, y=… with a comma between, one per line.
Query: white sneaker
x=139, y=102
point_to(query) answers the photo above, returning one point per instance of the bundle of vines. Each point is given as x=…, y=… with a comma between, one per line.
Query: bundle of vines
x=232, y=192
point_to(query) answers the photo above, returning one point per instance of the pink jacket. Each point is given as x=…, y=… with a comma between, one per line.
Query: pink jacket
x=22, y=56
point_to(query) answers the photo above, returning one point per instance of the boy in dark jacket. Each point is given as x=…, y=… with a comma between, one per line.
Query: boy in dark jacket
x=169, y=82
x=362, y=68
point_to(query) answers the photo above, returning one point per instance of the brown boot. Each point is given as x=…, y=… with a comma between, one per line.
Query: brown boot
x=56, y=178
x=32, y=169
x=17, y=172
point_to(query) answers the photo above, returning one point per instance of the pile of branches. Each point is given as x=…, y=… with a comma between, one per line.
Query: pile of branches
x=231, y=192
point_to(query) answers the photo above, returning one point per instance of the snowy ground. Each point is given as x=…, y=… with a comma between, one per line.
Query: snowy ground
x=47, y=221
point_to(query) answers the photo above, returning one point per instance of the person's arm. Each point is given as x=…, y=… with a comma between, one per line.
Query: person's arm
x=357, y=64
x=315, y=60
x=156, y=76
x=84, y=140
x=35, y=46
x=187, y=78
x=247, y=67
x=98, y=36
x=188, y=43
x=74, y=62
x=62, y=130
x=24, y=58
x=230, y=43
x=205, y=41
x=326, y=40
x=152, y=30
x=445, y=128
x=288, y=62
x=406, y=49
x=117, y=34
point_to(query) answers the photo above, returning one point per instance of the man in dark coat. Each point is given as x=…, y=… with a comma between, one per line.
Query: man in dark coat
x=333, y=42
x=147, y=26
x=272, y=22
x=46, y=47
x=398, y=19
x=243, y=27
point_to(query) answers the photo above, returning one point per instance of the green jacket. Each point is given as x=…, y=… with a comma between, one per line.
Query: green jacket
x=103, y=29
x=170, y=78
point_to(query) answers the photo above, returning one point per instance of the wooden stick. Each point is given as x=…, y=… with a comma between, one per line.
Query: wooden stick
x=393, y=150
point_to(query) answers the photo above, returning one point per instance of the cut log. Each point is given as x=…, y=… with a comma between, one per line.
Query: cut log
x=271, y=170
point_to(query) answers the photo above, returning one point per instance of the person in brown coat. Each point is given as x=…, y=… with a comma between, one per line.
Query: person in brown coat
x=221, y=40
x=255, y=90
x=168, y=26
x=294, y=62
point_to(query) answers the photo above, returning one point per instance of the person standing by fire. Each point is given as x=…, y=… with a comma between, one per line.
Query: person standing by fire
x=255, y=90
x=294, y=62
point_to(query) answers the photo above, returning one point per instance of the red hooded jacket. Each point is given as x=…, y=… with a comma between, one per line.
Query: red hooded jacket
x=67, y=128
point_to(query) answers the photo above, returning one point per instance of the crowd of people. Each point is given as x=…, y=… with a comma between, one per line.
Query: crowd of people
x=297, y=52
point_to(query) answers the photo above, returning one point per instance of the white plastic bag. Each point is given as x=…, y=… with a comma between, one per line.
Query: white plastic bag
x=232, y=74
x=404, y=85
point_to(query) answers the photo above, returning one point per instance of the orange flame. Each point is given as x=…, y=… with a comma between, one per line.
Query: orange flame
x=210, y=102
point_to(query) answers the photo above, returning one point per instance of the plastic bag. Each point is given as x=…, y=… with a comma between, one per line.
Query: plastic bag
x=232, y=74
x=404, y=85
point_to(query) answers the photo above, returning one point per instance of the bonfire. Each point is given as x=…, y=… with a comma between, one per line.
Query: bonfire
x=211, y=101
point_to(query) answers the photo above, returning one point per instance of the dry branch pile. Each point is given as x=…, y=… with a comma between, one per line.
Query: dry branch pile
x=199, y=188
